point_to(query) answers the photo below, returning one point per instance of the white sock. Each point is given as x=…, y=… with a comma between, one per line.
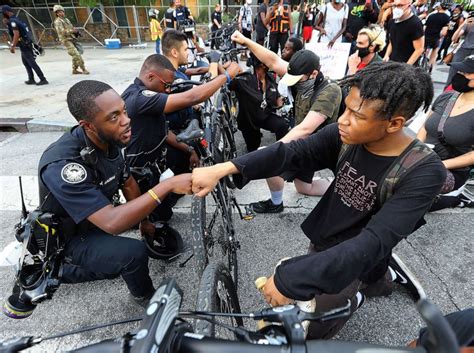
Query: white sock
x=277, y=197
x=392, y=273
x=359, y=297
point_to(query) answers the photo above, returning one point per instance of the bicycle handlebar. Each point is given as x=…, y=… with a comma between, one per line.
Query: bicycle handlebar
x=160, y=332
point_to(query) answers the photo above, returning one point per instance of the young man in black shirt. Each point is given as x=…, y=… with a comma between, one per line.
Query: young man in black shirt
x=407, y=40
x=261, y=23
x=352, y=232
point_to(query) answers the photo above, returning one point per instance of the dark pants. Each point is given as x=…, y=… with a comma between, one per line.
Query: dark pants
x=251, y=130
x=98, y=255
x=325, y=302
x=277, y=40
x=260, y=38
x=443, y=51
x=30, y=63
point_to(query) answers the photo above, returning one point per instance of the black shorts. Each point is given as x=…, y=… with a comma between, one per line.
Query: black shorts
x=303, y=175
x=431, y=42
x=247, y=34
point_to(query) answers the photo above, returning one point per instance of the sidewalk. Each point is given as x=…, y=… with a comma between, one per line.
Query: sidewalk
x=45, y=109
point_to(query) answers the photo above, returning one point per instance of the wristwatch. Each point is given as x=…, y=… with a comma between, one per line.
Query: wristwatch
x=190, y=149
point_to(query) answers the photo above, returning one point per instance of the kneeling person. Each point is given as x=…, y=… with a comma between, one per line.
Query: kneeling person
x=357, y=223
x=78, y=177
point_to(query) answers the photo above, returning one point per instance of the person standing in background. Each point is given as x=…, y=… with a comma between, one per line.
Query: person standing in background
x=20, y=34
x=332, y=22
x=67, y=34
x=279, y=19
x=216, y=18
x=295, y=17
x=246, y=23
x=155, y=29
x=261, y=24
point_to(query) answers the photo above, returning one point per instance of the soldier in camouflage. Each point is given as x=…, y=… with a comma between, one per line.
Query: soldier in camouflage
x=67, y=34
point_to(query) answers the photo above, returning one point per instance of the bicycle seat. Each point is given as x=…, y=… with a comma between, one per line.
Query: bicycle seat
x=191, y=133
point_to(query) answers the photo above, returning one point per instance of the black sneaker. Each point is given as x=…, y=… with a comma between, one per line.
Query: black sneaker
x=42, y=82
x=143, y=301
x=406, y=278
x=266, y=207
x=30, y=82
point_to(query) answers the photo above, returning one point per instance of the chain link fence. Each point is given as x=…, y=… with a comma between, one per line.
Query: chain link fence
x=128, y=23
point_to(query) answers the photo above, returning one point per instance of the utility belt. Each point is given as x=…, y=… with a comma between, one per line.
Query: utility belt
x=149, y=175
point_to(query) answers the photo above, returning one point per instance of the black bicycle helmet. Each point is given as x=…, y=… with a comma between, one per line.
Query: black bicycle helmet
x=165, y=243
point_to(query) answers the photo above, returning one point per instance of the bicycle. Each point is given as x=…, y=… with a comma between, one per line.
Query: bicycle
x=165, y=329
x=219, y=229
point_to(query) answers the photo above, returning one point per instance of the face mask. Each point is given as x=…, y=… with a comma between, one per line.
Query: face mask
x=337, y=1
x=363, y=52
x=397, y=13
x=249, y=2
x=461, y=83
x=305, y=85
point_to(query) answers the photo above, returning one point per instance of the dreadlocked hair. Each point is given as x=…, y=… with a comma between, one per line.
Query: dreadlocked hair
x=401, y=88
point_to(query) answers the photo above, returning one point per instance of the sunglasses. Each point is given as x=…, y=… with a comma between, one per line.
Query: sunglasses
x=167, y=85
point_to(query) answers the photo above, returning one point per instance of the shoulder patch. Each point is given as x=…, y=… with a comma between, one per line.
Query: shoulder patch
x=73, y=173
x=148, y=93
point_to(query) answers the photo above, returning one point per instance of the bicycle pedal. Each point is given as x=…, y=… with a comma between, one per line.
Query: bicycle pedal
x=249, y=214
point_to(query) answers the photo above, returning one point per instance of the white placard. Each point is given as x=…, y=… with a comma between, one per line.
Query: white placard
x=334, y=60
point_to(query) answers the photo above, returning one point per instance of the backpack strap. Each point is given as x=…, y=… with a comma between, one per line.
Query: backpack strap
x=413, y=155
x=447, y=111
x=342, y=153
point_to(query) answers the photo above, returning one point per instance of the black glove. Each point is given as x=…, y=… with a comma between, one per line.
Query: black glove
x=214, y=56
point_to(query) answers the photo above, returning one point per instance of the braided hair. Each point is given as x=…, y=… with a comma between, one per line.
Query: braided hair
x=400, y=88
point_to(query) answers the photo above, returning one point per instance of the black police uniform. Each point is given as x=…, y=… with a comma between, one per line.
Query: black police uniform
x=181, y=13
x=145, y=150
x=26, y=47
x=73, y=188
x=255, y=112
x=169, y=18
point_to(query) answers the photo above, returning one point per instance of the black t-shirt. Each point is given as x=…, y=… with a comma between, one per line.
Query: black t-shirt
x=250, y=96
x=402, y=35
x=435, y=23
x=359, y=17
x=218, y=17
x=259, y=27
x=350, y=231
x=308, y=19
x=146, y=111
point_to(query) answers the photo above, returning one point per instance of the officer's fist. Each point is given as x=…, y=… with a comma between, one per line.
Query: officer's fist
x=238, y=38
x=181, y=184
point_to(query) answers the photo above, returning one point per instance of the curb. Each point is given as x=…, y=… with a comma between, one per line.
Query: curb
x=39, y=125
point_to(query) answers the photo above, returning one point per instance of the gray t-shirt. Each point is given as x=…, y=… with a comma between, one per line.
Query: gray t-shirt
x=458, y=130
x=468, y=37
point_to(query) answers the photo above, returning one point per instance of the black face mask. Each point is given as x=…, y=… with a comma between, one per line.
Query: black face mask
x=363, y=52
x=461, y=83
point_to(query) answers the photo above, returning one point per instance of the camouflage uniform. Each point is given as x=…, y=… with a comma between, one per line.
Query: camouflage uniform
x=65, y=31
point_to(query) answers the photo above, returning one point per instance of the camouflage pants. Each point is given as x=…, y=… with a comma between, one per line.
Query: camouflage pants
x=77, y=61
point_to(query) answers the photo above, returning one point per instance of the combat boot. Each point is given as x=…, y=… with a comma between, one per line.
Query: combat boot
x=76, y=72
x=85, y=71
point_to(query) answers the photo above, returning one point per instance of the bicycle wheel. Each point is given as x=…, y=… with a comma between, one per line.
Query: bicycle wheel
x=223, y=144
x=217, y=293
x=198, y=233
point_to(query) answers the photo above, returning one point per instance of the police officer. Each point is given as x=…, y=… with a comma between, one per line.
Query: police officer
x=21, y=35
x=67, y=35
x=169, y=16
x=147, y=101
x=181, y=13
x=78, y=177
x=279, y=20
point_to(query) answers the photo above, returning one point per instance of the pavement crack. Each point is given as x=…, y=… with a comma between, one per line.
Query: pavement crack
x=428, y=265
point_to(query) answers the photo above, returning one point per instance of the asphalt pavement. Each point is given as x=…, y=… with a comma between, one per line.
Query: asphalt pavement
x=440, y=253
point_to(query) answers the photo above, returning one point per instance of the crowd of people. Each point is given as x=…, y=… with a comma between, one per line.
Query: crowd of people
x=385, y=180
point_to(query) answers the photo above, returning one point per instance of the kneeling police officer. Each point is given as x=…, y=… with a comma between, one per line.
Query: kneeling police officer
x=79, y=176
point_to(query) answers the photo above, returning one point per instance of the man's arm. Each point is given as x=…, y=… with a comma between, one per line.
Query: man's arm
x=341, y=31
x=199, y=94
x=335, y=268
x=317, y=152
x=15, y=39
x=115, y=220
x=130, y=189
x=310, y=123
x=171, y=140
x=419, y=45
x=266, y=56
x=388, y=52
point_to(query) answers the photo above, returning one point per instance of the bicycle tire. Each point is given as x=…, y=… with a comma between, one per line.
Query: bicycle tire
x=198, y=234
x=217, y=293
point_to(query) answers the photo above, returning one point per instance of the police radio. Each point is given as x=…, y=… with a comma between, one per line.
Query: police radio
x=88, y=154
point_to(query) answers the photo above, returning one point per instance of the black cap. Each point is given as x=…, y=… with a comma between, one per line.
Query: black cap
x=303, y=62
x=466, y=66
